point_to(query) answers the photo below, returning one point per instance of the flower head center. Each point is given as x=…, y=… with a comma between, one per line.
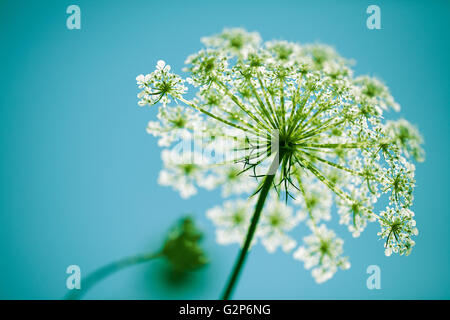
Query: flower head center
x=179, y=122
x=237, y=42
x=188, y=168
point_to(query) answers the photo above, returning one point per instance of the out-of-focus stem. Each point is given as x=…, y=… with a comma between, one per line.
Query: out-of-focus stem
x=105, y=271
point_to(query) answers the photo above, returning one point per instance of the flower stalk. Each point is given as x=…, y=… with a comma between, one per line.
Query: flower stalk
x=264, y=191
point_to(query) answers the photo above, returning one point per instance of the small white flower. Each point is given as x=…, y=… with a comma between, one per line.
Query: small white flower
x=407, y=137
x=234, y=41
x=399, y=180
x=357, y=211
x=231, y=220
x=232, y=181
x=159, y=85
x=315, y=203
x=398, y=227
x=276, y=221
x=182, y=171
x=162, y=67
x=322, y=251
x=175, y=124
x=374, y=92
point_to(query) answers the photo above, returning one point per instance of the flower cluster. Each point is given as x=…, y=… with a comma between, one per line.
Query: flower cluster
x=174, y=123
x=322, y=251
x=398, y=228
x=233, y=219
x=295, y=113
x=159, y=85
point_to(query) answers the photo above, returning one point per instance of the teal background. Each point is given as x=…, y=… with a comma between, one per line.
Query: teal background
x=78, y=171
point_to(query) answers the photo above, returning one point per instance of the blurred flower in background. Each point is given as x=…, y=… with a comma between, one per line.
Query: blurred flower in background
x=181, y=249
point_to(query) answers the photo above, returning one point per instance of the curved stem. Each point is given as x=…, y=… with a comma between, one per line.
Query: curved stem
x=105, y=271
x=267, y=184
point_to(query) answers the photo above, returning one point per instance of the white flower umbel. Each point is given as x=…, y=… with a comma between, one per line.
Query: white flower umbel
x=231, y=180
x=322, y=251
x=316, y=201
x=159, y=85
x=183, y=171
x=357, y=212
x=372, y=91
x=407, y=137
x=174, y=124
x=397, y=227
x=398, y=180
x=303, y=125
x=235, y=41
x=232, y=220
x=277, y=221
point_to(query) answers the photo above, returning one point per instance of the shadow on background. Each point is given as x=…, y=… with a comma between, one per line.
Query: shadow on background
x=174, y=267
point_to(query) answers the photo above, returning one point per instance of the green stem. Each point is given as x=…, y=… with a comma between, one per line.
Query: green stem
x=267, y=184
x=105, y=271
